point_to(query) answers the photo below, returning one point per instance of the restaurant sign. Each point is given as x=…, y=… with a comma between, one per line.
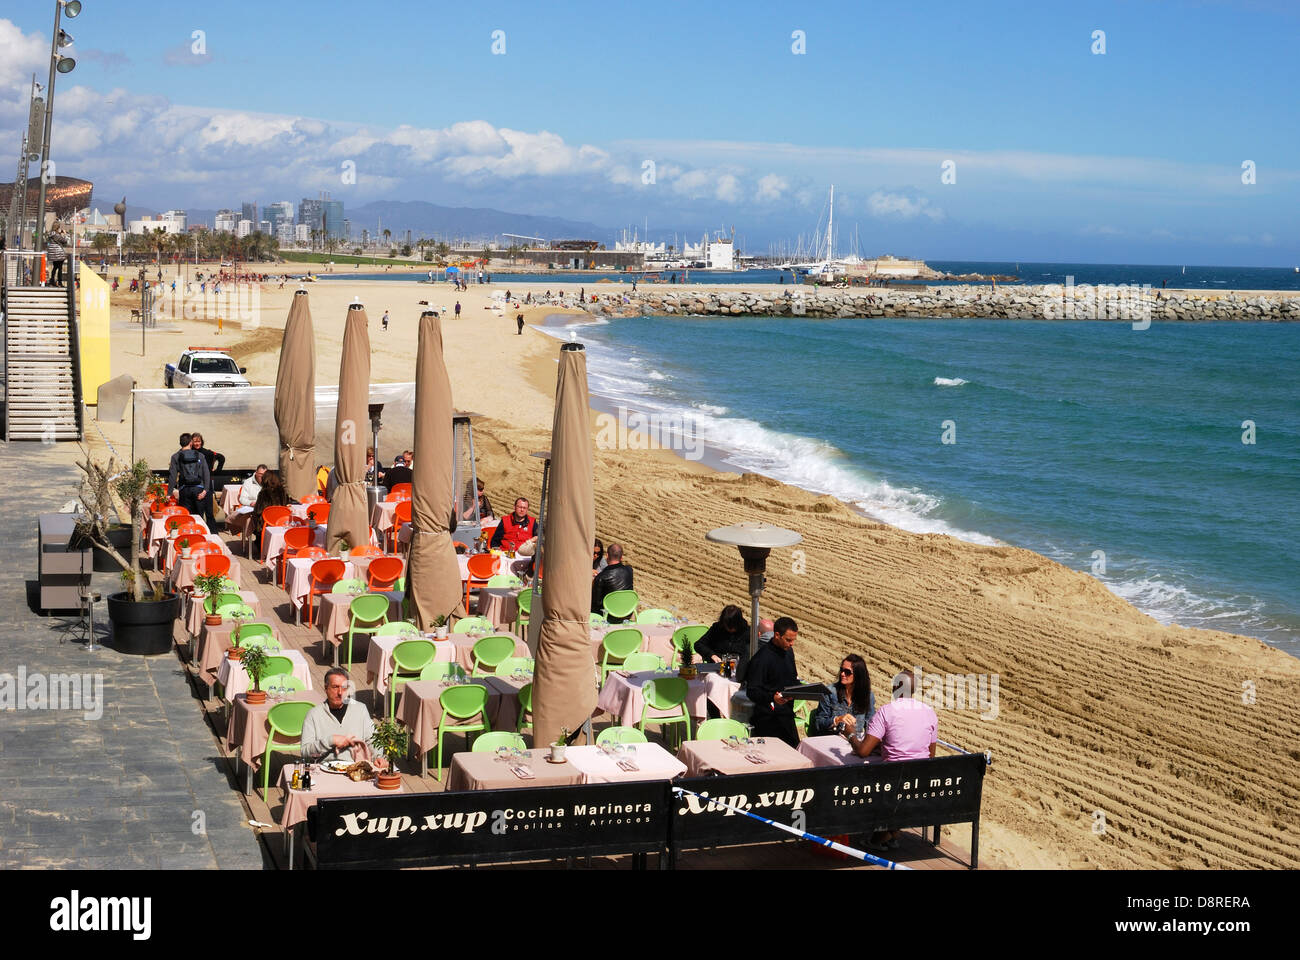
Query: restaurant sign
x=828, y=800
x=486, y=826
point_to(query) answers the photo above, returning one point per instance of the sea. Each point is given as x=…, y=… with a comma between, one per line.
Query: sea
x=1165, y=461
x=1173, y=275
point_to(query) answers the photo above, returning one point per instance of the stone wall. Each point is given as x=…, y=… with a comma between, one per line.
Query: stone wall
x=1082, y=302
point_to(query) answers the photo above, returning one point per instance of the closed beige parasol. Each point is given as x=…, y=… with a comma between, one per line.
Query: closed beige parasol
x=295, y=400
x=349, y=513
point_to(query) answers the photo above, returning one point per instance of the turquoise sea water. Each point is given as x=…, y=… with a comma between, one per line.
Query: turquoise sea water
x=1071, y=438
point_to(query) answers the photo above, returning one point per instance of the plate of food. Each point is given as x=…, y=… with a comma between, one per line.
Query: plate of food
x=335, y=766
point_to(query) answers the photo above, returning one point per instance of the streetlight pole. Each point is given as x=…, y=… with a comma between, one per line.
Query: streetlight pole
x=57, y=65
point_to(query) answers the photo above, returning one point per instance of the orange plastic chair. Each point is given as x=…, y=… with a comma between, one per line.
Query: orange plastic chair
x=383, y=574
x=395, y=498
x=460, y=547
x=213, y=563
x=324, y=574
x=273, y=517
x=319, y=511
x=402, y=488
x=481, y=568
x=295, y=539
x=366, y=551
x=401, y=515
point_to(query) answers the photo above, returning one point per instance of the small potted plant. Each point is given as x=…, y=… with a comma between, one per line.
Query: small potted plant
x=391, y=739
x=440, y=627
x=687, y=672
x=557, y=748
x=209, y=585
x=254, y=660
x=185, y=548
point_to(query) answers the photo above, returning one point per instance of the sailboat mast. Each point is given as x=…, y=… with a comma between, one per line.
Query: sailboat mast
x=830, y=225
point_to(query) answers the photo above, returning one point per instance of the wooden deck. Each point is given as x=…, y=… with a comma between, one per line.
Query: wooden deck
x=914, y=850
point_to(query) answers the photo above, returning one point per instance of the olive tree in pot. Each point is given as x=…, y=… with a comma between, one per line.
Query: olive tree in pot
x=210, y=586
x=142, y=622
x=390, y=739
x=254, y=661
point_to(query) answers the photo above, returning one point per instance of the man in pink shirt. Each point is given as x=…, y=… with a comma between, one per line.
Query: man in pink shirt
x=904, y=729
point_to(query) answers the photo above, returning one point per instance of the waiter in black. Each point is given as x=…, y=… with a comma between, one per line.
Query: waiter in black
x=771, y=670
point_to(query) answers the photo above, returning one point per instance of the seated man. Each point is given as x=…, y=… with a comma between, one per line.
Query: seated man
x=340, y=729
x=617, y=575
x=515, y=529
x=248, y=492
x=399, y=472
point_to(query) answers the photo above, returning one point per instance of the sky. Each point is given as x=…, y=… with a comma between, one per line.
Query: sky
x=951, y=130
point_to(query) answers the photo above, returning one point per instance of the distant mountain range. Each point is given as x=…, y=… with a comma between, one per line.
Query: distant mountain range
x=423, y=219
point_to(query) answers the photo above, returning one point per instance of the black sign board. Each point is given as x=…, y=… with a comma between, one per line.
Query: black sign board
x=491, y=826
x=830, y=800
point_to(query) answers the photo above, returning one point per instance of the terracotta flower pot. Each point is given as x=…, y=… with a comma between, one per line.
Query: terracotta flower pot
x=389, y=781
x=212, y=619
x=255, y=696
x=235, y=653
x=686, y=673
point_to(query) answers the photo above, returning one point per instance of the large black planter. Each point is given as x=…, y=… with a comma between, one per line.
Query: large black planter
x=119, y=536
x=144, y=627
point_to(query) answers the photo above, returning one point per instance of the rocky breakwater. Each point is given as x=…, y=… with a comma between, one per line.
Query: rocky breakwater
x=1126, y=304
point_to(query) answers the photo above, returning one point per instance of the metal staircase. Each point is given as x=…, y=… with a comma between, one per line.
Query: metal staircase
x=42, y=364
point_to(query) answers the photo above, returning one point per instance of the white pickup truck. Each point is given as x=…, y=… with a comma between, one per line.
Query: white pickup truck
x=205, y=367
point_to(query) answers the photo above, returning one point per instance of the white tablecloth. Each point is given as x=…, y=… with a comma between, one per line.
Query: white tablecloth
x=232, y=676
x=275, y=542
x=596, y=766
x=621, y=696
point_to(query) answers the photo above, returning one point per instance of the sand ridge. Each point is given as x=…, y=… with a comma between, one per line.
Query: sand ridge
x=1100, y=707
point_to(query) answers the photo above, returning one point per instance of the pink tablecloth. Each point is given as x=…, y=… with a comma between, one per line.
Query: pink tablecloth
x=419, y=709
x=833, y=751
x=212, y=645
x=332, y=620
x=596, y=766
x=704, y=757
x=274, y=545
x=194, y=613
x=621, y=696
x=228, y=500
x=379, y=659
x=298, y=802
x=157, y=533
x=232, y=676
x=247, y=730
x=483, y=771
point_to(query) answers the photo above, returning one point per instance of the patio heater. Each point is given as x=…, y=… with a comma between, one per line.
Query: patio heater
x=756, y=541
x=374, y=492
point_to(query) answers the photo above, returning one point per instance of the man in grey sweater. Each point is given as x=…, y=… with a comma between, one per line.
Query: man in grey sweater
x=339, y=728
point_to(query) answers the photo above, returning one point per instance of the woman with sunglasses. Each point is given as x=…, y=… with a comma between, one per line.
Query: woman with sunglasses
x=848, y=705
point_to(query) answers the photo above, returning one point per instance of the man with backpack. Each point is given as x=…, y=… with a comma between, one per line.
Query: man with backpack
x=189, y=478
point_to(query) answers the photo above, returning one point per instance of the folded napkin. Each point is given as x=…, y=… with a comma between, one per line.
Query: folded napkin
x=522, y=772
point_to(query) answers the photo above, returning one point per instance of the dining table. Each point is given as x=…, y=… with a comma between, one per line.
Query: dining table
x=834, y=750
x=754, y=755
x=212, y=644
x=296, y=803
x=333, y=620
x=621, y=697
x=419, y=708
x=247, y=730
x=234, y=678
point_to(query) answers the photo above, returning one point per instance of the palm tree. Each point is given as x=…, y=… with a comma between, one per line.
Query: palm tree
x=388, y=237
x=443, y=249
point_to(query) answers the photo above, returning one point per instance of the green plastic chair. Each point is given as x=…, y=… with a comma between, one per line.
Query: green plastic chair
x=371, y=611
x=525, y=601
x=473, y=623
x=619, y=645
x=508, y=580
x=637, y=662
x=399, y=628
x=283, y=681
x=461, y=703
x=261, y=642
x=488, y=742
x=666, y=693
x=247, y=631
x=216, y=601
x=655, y=615
x=721, y=728
x=348, y=586
x=276, y=665
x=489, y=652
x=598, y=620
x=620, y=605
x=688, y=634
x=410, y=657
x=512, y=665
x=803, y=713
x=228, y=586
x=285, y=721
x=620, y=735
x=525, y=707
x=439, y=671
x=236, y=611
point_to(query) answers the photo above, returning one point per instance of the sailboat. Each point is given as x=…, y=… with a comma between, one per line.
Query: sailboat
x=825, y=267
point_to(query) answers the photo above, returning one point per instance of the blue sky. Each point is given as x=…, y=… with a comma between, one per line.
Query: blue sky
x=1059, y=153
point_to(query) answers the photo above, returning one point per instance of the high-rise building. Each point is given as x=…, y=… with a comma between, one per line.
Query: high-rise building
x=309, y=212
x=248, y=211
x=333, y=213
x=244, y=228
x=301, y=233
x=285, y=233
x=265, y=227
x=322, y=214
x=278, y=213
x=226, y=221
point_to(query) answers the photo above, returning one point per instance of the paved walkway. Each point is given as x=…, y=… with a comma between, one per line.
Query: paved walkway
x=143, y=785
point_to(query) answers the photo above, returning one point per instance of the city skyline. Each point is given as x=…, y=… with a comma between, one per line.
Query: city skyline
x=1037, y=147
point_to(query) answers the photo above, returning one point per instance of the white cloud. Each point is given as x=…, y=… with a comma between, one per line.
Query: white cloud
x=897, y=205
x=771, y=187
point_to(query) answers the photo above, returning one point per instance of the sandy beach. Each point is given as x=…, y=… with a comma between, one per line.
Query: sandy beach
x=1117, y=742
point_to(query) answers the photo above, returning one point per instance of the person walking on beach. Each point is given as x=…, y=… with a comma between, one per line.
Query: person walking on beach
x=384, y=320
x=457, y=309
x=771, y=670
x=520, y=321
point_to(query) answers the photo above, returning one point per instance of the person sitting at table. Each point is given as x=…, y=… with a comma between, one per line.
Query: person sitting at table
x=515, y=528
x=335, y=729
x=617, y=575
x=272, y=494
x=728, y=637
x=903, y=729
x=598, y=560
x=248, y=491
x=399, y=472
x=849, y=704
x=765, y=630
